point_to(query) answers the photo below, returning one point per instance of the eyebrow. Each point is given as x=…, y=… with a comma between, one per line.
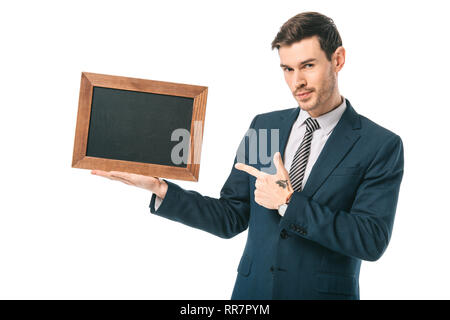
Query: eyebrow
x=301, y=63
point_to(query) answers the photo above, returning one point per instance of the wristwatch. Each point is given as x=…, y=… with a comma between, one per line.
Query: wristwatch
x=283, y=207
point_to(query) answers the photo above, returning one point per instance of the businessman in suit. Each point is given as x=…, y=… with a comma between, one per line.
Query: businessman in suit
x=325, y=203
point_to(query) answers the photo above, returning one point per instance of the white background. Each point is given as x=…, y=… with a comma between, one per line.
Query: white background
x=66, y=234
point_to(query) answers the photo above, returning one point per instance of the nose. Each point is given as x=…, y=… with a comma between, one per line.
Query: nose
x=299, y=80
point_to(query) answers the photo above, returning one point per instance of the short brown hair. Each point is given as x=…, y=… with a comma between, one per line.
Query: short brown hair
x=306, y=25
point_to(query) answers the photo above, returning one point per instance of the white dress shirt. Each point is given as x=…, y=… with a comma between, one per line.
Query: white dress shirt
x=327, y=122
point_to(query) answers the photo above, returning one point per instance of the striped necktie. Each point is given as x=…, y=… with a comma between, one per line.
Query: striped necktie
x=298, y=166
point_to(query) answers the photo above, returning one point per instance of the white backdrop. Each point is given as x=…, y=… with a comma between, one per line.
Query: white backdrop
x=67, y=234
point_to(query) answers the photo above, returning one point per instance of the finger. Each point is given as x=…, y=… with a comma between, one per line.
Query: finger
x=249, y=169
x=101, y=173
x=112, y=175
x=120, y=174
x=123, y=180
x=279, y=164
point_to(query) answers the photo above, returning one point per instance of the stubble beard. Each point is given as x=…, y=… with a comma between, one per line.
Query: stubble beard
x=322, y=95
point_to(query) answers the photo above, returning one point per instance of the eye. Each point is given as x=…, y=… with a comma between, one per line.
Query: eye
x=309, y=64
x=287, y=69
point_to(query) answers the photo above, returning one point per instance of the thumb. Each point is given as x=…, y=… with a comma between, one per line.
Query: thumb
x=281, y=170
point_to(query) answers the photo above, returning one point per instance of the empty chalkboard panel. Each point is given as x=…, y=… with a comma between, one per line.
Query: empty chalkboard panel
x=136, y=126
x=127, y=124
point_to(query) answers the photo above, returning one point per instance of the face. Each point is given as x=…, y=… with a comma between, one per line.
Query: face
x=310, y=76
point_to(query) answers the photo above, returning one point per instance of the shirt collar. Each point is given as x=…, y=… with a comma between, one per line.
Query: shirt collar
x=326, y=121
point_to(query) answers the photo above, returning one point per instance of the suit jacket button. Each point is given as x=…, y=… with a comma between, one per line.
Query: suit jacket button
x=283, y=234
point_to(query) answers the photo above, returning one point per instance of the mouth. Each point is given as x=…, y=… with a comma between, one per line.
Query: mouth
x=304, y=95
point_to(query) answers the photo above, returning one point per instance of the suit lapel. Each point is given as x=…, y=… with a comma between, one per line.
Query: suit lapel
x=341, y=140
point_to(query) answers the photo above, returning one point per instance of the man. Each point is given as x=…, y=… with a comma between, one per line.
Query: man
x=309, y=227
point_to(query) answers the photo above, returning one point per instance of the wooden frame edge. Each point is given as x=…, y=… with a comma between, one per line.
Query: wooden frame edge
x=90, y=80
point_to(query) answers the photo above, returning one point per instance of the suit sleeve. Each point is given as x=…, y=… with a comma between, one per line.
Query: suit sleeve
x=364, y=231
x=225, y=217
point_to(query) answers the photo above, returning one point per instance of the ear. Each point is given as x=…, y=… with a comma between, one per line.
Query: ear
x=338, y=59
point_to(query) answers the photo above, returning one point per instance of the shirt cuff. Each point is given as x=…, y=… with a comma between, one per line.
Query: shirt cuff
x=158, y=202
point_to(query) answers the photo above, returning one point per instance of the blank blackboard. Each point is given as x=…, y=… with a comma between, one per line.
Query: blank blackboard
x=133, y=125
x=136, y=126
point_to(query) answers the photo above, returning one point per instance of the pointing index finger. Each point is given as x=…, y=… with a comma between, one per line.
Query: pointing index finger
x=249, y=169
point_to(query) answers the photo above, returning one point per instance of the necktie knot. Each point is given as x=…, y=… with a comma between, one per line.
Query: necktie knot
x=312, y=124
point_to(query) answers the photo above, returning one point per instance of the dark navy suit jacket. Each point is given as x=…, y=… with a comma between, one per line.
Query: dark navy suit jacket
x=344, y=214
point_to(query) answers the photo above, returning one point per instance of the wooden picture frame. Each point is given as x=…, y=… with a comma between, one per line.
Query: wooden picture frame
x=91, y=81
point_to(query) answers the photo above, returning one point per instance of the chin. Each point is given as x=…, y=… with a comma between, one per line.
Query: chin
x=307, y=106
